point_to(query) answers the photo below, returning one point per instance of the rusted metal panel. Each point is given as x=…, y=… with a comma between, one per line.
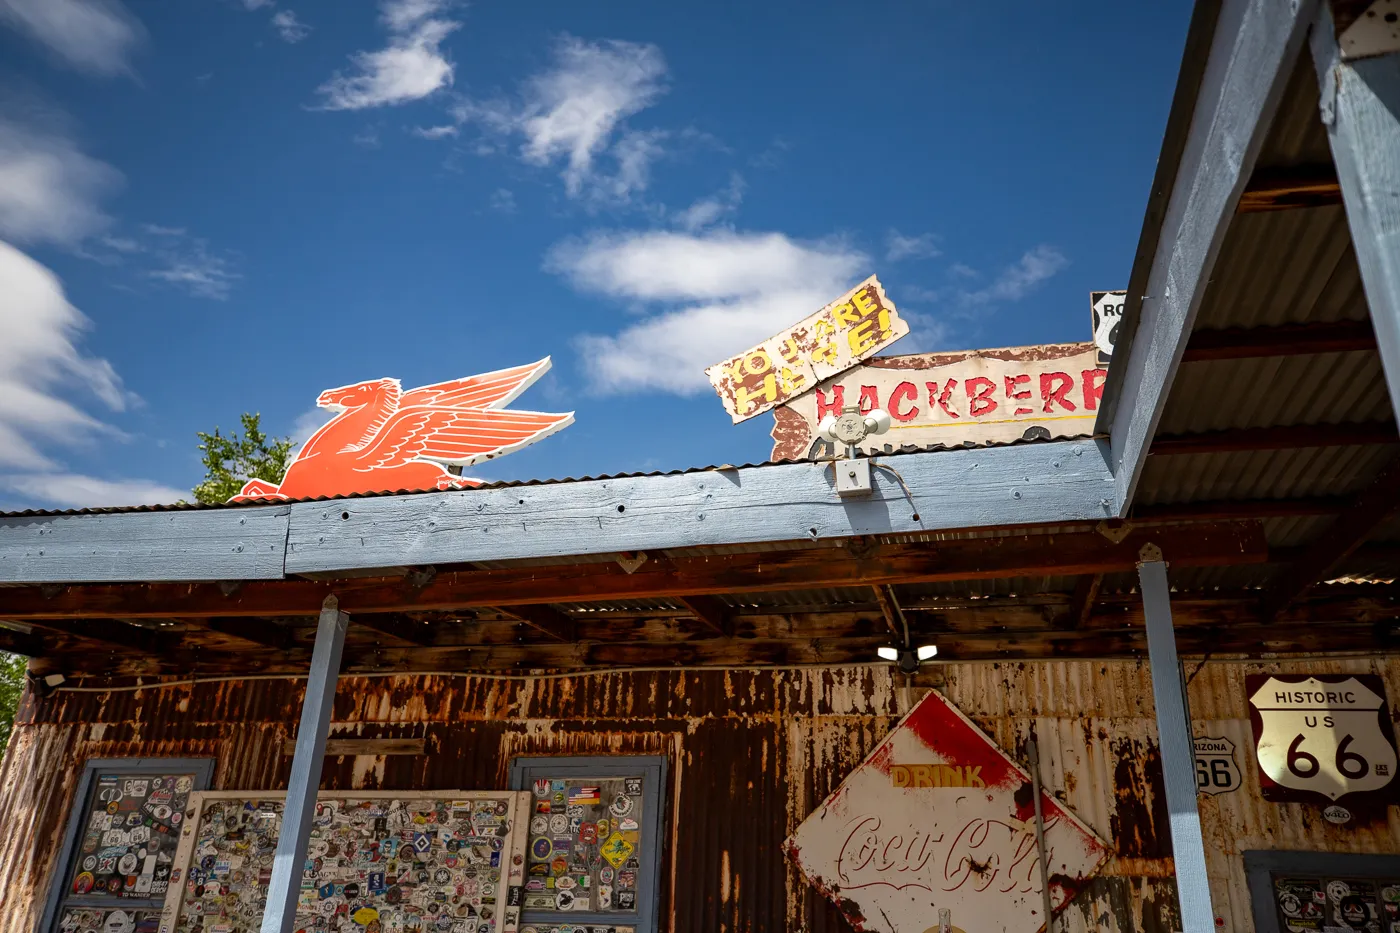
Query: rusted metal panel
x=973, y=396
x=855, y=326
x=751, y=753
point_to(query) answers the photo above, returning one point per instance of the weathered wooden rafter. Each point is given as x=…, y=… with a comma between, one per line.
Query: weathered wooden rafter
x=965, y=559
x=1291, y=187
x=1370, y=508
x=1241, y=343
x=548, y=621
x=1287, y=437
x=712, y=611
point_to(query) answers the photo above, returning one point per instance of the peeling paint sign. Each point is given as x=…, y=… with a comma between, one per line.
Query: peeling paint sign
x=982, y=396
x=852, y=328
x=940, y=822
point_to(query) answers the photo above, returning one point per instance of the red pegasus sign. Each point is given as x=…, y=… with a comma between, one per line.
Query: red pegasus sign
x=385, y=439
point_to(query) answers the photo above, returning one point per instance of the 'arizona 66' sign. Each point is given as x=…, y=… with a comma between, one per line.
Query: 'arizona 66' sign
x=1323, y=737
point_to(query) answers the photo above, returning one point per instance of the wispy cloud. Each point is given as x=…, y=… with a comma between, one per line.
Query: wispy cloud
x=573, y=114
x=410, y=67
x=713, y=294
x=707, y=211
x=192, y=267
x=97, y=36
x=503, y=201
x=435, y=132
x=77, y=491
x=899, y=247
x=1018, y=279
x=41, y=366
x=49, y=191
x=288, y=27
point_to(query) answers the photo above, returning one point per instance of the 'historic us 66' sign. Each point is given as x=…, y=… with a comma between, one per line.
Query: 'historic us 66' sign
x=939, y=824
x=1323, y=737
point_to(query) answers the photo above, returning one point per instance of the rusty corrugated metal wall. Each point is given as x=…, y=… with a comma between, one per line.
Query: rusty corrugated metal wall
x=751, y=754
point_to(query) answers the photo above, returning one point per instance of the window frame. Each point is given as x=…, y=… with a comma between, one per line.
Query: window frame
x=525, y=769
x=1260, y=865
x=200, y=768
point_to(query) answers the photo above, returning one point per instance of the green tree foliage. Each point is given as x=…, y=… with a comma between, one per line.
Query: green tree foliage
x=231, y=460
x=12, y=668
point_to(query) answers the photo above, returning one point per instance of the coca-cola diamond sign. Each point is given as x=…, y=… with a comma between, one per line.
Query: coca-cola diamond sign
x=936, y=830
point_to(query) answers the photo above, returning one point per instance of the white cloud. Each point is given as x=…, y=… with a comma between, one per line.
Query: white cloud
x=256, y=4
x=158, y=230
x=899, y=247
x=572, y=114
x=721, y=291
x=40, y=365
x=289, y=27
x=573, y=108
x=706, y=211
x=962, y=271
x=307, y=423
x=194, y=269
x=1017, y=280
x=91, y=35
x=410, y=67
x=503, y=201
x=435, y=132
x=76, y=491
x=48, y=189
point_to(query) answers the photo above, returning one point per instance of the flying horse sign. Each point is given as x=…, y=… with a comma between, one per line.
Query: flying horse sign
x=385, y=439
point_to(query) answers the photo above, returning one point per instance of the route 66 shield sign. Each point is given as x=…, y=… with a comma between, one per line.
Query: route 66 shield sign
x=1322, y=737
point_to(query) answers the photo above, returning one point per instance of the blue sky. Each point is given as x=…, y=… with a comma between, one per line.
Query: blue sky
x=217, y=206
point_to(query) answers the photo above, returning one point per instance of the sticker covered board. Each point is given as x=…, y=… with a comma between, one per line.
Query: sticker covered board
x=939, y=822
x=376, y=863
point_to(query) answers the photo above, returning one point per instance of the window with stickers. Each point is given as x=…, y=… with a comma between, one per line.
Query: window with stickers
x=119, y=849
x=594, y=850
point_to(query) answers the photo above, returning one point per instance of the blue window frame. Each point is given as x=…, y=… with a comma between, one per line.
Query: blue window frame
x=119, y=846
x=595, y=840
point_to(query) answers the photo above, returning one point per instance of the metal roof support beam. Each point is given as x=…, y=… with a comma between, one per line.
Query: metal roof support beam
x=1361, y=110
x=1176, y=746
x=1255, y=45
x=305, y=780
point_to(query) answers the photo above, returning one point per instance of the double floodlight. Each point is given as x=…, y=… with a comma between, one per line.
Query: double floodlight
x=908, y=659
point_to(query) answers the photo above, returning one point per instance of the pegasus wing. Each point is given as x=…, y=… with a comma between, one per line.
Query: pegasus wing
x=487, y=390
x=455, y=435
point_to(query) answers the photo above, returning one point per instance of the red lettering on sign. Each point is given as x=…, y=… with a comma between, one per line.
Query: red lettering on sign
x=833, y=407
x=869, y=399
x=1093, y=387
x=1014, y=382
x=905, y=390
x=1052, y=393
x=979, y=396
x=941, y=399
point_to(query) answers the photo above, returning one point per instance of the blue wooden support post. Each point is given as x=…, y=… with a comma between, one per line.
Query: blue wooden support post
x=305, y=781
x=1361, y=109
x=1176, y=746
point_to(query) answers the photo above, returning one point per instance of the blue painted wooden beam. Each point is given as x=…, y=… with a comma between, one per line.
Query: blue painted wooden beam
x=1177, y=749
x=305, y=779
x=207, y=544
x=1361, y=110
x=1024, y=484
x=1017, y=485
x=1255, y=46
